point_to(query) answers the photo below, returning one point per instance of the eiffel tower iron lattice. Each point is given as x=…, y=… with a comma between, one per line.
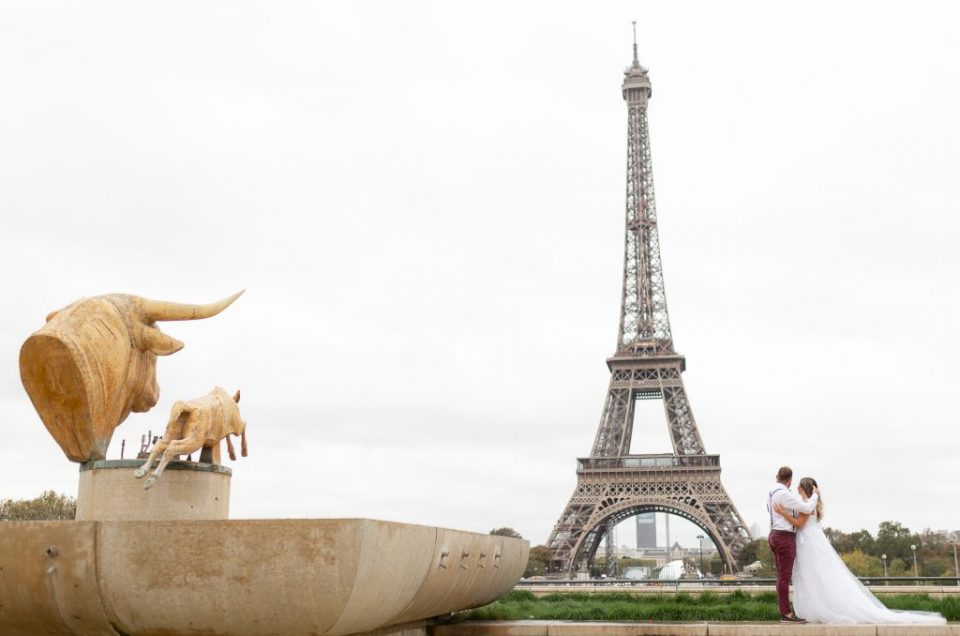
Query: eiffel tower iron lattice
x=612, y=483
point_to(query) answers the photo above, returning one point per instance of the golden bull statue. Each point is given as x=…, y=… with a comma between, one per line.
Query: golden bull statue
x=95, y=361
x=195, y=425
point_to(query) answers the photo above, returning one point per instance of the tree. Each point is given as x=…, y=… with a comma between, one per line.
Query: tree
x=749, y=553
x=758, y=550
x=863, y=564
x=715, y=566
x=506, y=532
x=48, y=506
x=899, y=567
x=630, y=562
x=844, y=543
x=936, y=566
x=538, y=561
x=895, y=540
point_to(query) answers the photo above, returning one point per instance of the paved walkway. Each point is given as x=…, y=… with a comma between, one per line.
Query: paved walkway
x=569, y=628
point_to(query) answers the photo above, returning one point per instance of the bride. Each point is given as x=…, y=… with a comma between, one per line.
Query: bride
x=824, y=590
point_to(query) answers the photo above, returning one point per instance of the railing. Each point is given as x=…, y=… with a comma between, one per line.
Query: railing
x=737, y=582
x=648, y=461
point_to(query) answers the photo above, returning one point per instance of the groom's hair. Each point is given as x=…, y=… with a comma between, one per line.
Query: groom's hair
x=784, y=474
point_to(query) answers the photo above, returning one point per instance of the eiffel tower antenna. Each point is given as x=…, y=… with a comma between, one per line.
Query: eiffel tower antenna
x=614, y=483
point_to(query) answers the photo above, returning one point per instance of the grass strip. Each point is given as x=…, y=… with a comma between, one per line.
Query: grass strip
x=623, y=606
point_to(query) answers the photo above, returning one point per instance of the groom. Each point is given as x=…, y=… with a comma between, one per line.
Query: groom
x=783, y=538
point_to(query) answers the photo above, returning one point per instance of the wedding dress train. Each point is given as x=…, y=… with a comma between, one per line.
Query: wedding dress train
x=825, y=591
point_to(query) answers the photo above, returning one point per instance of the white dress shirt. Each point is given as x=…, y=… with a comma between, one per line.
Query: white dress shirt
x=791, y=501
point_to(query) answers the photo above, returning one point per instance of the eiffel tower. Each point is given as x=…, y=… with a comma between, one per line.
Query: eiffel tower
x=614, y=484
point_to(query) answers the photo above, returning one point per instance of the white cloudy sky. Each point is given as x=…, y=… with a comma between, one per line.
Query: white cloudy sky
x=424, y=201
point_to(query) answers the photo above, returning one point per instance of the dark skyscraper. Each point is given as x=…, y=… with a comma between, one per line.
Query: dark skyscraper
x=646, y=530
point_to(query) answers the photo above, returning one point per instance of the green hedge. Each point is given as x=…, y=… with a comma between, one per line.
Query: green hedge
x=623, y=606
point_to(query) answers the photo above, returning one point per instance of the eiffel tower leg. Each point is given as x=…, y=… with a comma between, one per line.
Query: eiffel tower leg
x=566, y=536
x=610, y=549
x=683, y=428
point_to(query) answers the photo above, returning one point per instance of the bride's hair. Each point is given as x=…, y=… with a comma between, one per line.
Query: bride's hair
x=808, y=484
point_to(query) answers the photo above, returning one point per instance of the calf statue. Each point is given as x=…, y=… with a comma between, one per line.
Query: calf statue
x=95, y=361
x=195, y=425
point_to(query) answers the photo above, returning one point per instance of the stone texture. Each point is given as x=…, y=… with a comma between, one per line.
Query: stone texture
x=628, y=629
x=494, y=628
x=242, y=578
x=420, y=628
x=48, y=579
x=109, y=492
x=918, y=630
x=765, y=629
x=463, y=574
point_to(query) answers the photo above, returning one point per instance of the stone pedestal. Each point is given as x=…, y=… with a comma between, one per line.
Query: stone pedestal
x=186, y=490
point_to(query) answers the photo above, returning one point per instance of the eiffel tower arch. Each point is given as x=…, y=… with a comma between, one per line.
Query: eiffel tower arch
x=614, y=484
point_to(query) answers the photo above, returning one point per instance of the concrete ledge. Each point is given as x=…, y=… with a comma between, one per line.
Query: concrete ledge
x=176, y=464
x=420, y=628
x=574, y=628
x=935, y=591
x=633, y=629
x=764, y=629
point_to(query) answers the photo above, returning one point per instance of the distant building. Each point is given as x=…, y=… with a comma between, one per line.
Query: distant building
x=646, y=530
x=663, y=556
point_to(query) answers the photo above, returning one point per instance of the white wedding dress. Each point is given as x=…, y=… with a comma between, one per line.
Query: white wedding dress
x=825, y=591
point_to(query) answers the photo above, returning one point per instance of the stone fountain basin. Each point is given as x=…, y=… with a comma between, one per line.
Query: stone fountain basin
x=243, y=577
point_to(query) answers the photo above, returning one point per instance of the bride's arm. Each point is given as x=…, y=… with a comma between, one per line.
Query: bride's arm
x=796, y=522
x=792, y=501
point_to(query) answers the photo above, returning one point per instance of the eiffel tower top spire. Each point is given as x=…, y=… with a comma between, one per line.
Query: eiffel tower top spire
x=635, y=76
x=644, y=321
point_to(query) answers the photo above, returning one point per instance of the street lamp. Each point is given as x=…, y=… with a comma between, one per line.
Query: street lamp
x=916, y=570
x=700, y=536
x=956, y=568
x=884, y=557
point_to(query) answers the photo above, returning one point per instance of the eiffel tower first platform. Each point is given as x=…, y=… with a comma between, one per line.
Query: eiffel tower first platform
x=612, y=483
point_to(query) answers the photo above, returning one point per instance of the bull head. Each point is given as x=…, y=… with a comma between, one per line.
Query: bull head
x=95, y=361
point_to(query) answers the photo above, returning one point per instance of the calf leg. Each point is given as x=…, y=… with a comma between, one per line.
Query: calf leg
x=177, y=447
x=159, y=447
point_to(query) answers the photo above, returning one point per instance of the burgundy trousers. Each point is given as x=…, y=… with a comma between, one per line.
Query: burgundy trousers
x=783, y=544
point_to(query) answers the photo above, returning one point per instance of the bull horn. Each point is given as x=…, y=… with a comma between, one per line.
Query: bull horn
x=154, y=310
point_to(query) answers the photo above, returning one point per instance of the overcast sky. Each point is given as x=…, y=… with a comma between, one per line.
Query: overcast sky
x=424, y=202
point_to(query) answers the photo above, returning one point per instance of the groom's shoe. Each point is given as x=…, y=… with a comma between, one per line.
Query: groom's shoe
x=792, y=618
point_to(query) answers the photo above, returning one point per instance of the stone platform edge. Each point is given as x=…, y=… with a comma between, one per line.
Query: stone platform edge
x=934, y=591
x=572, y=628
x=176, y=464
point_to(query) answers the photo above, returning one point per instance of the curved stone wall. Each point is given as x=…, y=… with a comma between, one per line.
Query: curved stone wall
x=243, y=577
